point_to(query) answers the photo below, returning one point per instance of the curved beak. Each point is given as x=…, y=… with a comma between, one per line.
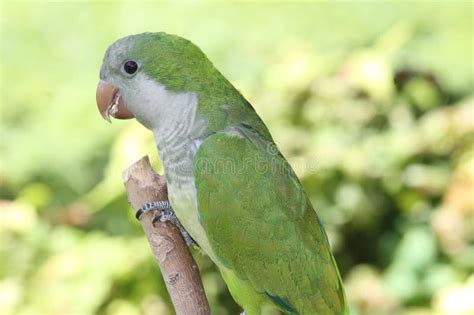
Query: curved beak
x=110, y=102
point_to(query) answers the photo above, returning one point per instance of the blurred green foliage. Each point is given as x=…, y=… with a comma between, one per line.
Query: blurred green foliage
x=371, y=102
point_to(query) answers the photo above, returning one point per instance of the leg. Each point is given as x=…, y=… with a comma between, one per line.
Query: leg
x=166, y=214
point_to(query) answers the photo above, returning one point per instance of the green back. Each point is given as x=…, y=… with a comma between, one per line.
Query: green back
x=182, y=67
x=261, y=225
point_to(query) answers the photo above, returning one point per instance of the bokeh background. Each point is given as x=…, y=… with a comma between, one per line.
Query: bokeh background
x=372, y=103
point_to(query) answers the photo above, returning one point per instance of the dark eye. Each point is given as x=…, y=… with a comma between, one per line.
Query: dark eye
x=130, y=67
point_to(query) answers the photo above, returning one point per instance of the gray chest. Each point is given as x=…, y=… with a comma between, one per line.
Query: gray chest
x=182, y=195
x=177, y=156
x=178, y=163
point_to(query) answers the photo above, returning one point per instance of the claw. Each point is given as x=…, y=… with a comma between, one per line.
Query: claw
x=157, y=205
x=166, y=214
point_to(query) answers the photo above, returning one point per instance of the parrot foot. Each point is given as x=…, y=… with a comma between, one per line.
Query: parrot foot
x=166, y=214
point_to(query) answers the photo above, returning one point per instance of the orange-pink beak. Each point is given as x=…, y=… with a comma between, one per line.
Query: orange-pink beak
x=110, y=102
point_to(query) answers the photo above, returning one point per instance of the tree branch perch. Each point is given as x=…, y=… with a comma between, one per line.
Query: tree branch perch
x=179, y=269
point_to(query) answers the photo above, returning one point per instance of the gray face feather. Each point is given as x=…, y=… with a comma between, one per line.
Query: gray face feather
x=151, y=103
x=170, y=115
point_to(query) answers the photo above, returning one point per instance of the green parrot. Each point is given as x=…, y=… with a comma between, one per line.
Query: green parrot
x=229, y=186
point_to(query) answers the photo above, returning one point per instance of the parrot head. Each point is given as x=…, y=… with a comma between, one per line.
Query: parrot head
x=146, y=75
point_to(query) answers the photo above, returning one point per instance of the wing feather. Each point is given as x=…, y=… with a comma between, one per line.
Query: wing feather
x=261, y=224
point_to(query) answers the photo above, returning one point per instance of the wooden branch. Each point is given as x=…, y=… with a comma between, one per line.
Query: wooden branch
x=179, y=269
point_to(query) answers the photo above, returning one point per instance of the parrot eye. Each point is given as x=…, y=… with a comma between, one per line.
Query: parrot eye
x=130, y=67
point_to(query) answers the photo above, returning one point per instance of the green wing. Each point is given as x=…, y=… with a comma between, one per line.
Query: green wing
x=261, y=225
